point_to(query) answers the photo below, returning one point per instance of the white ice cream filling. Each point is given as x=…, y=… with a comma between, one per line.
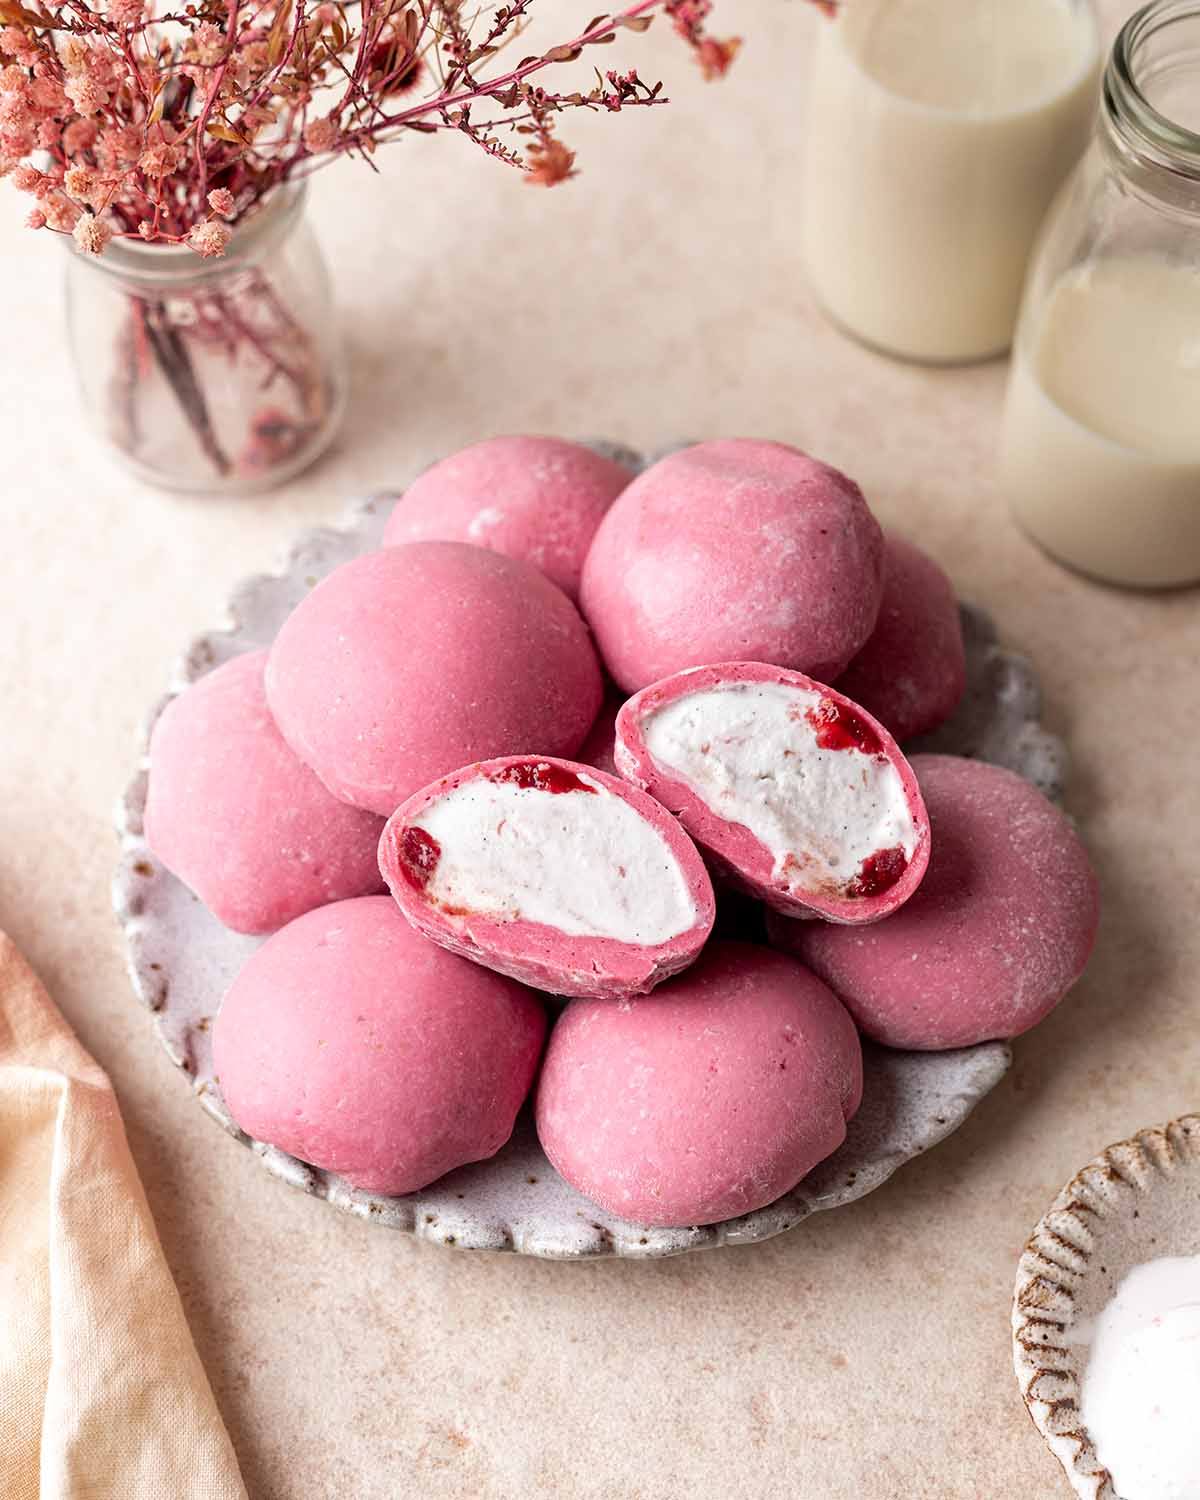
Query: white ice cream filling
x=584, y=862
x=750, y=752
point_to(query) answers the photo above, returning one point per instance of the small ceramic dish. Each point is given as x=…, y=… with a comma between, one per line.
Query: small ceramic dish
x=182, y=960
x=1138, y=1200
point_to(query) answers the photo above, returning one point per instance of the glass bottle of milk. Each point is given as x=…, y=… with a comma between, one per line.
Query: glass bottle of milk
x=1100, y=451
x=938, y=132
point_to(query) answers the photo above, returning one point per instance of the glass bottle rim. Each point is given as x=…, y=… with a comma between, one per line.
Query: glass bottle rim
x=1144, y=127
x=163, y=265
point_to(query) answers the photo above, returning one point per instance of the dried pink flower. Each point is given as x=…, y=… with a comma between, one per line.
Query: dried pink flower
x=118, y=146
x=126, y=12
x=74, y=54
x=26, y=178
x=208, y=44
x=320, y=135
x=16, y=142
x=222, y=202
x=549, y=163
x=13, y=79
x=210, y=239
x=15, y=113
x=91, y=234
x=79, y=135
x=82, y=184
x=61, y=213
x=146, y=229
x=17, y=43
x=48, y=94
x=87, y=95
x=159, y=160
x=35, y=219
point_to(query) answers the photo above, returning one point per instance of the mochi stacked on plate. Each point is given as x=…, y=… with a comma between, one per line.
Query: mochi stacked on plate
x=569, y=718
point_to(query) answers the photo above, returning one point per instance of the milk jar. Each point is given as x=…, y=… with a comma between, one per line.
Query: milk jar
x=1100, y=452
x=937, y=134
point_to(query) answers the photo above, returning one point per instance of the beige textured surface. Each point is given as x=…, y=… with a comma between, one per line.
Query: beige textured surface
x=866, y=1354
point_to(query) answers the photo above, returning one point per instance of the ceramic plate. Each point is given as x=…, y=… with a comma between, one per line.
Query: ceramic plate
x=1136, y=1201
x=182, y=960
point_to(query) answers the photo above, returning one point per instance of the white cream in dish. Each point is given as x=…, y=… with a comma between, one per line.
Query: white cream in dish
x=750, y=751
x=584, y=862
x=1140, y=1399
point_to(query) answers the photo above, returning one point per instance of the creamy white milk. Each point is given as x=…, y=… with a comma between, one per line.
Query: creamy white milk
x=1141, y=1383
x=585, y=862
x=937, y=133
x=748, y=751
x=1100, y=453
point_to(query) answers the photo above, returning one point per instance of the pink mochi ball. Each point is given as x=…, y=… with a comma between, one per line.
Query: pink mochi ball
x=350, y=1042
x=796, y=794
x=600, y=746
x=409, y=662
x=1000, y=929
x=233, y=813
x=733, y=551
x=539, y=499
x=553, y=872
x=709, y=1099
x=912, y=673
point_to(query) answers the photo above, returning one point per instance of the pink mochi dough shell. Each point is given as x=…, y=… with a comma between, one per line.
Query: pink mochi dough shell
x=735, y=550
x=537, y=953
x=708, y=1100
x=737, y=854
x=239, y=819
x=1001, y=928
x=350, y=1042
x=539, y=499
x=912, y=673
x=408, y=662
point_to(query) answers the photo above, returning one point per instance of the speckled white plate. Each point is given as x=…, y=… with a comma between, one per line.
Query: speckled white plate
x=1136, y=1201
x=182, y=960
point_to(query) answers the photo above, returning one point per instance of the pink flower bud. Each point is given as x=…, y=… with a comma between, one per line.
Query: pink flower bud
x=91, y=234
x=222, y=202
x=209, y=239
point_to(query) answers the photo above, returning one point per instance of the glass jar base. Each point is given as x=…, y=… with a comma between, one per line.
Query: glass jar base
x=906, y=356
x=239, y=484
x=1108, y=580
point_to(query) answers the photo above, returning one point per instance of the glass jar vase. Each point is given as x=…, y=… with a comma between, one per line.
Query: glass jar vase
x=937, y=133
x=223, y=375
x=1100, y=448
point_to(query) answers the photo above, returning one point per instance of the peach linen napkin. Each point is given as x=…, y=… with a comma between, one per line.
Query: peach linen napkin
x=102, y=1393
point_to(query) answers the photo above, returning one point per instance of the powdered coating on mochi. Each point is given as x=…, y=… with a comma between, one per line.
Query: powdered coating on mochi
x=733, y=551
x=759, y=754
x=707, y=1100
x=912, y=673
x=351, y=1042
x=544, y=878
x=1000, y=929
x=539, y=499
x=408, y=662
x=239, y=819
x=578, y=859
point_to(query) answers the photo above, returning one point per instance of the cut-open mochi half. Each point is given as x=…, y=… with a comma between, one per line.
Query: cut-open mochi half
x=796, y=794
x=552, y=872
